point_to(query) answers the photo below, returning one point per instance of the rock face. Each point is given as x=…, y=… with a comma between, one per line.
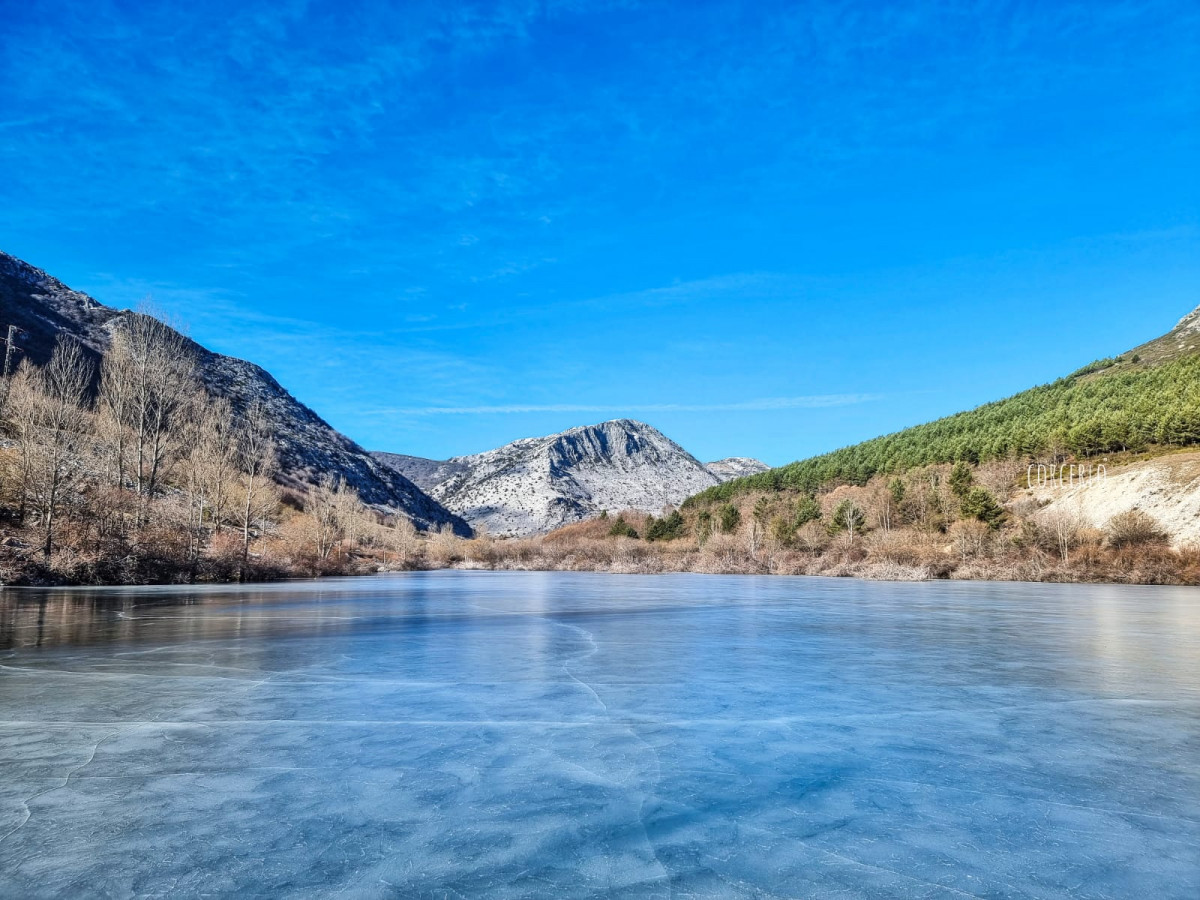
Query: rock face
x=538, y=484
x=735, y=467
x=308, y=447
x=1167, y=489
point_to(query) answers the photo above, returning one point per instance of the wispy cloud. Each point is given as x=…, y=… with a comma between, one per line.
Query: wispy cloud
x=813, y=401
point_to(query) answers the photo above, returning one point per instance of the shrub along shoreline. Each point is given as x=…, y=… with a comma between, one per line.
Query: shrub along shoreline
x=896, y=557
x=961, y=522
x=932, y=523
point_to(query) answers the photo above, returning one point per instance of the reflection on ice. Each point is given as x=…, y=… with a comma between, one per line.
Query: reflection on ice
x=557, y=735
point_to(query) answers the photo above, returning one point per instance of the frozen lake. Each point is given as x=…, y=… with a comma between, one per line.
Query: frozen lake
x=463, y=734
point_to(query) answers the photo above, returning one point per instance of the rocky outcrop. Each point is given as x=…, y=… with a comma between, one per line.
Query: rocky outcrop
x=537, y=484
x=308, y=447
x=1166, y=488
x=735, y=467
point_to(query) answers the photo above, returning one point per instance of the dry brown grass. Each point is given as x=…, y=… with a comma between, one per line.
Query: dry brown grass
x=1022, y=551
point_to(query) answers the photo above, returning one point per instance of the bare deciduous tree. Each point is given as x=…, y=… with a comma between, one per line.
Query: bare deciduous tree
x=1065, y=526
x=970, y=538
x=883, y=506
x=218, y=457
x=257, y=464
x=322, y=509
x=445, y=545
x=148, y=377
x=351, y=515
x=402, y=539
x=208, y=467
x=48, y=409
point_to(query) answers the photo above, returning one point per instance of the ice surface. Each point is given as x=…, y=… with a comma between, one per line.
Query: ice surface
x=464, y=734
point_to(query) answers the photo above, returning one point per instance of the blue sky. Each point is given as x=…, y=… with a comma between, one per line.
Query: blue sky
x=767, y=229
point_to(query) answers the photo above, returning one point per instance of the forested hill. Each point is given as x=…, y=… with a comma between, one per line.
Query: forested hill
x=1147, y=397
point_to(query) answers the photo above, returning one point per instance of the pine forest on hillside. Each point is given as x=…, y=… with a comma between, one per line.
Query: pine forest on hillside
x=1087, y=413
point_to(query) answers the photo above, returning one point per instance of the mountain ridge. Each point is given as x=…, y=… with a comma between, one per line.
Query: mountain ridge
x=536, y=484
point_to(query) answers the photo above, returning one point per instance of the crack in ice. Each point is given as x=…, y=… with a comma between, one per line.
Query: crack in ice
x=593, y=649
x=57, y=787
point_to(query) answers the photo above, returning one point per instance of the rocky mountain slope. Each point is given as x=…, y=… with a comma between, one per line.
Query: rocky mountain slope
x=1182, y=340
x=424, y=473
x=308, y=447
x=538, y=484
x=735, y=467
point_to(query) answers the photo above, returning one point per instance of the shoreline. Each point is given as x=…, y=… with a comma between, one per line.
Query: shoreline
x=871, y=572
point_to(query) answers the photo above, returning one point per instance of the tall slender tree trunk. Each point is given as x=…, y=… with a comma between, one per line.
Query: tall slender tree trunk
x=246, y=512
